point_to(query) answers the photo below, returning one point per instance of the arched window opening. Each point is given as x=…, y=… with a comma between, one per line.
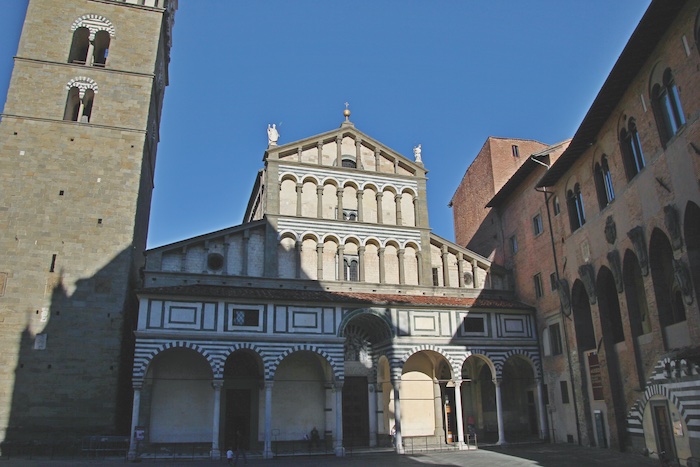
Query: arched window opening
x=603, y=183
x=79, y=105
x=101, y=46
x=574, y=201
x=583, y=321
x=351, y=269
x=348, y=163
x=667, y=107
x=79, y=47
x=72, y=105
x=631, y=147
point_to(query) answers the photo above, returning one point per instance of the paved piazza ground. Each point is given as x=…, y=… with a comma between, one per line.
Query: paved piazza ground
x=546, y=455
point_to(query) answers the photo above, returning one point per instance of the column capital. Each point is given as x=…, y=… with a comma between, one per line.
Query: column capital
x=319, y=189
x=397, y=197
x=217, y=384
x=137, y=385
x=269, y=384
x=380, y=194
x=361, y=249
x=338, y=385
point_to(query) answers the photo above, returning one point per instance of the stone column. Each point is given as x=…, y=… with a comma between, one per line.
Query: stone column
x=402, y=268
x=377, y=158
x=439, y=409
x=475, y=271
x=445, y=267
x=361, y=265
x=319, y=202
x=398, y=442
x=360, y=210
x=419, y=267
x=541, y=409
x=499, y=413
x=460, y=269
x=319, y=261
x=227, y=246
x=341, y=262
x=382, y=272
x=339, y=449
x=215, y=451
x=339, y=193
x=415, y=211
x=319, y=146
x=90, y=57
x=380, y=214
x=299, y=248
x=338, y=151
x=372, y=403
x=399, y=217
x=267, y=450
x=136, y=407
x=300, y=188
x=358, y=153
x=458, y=409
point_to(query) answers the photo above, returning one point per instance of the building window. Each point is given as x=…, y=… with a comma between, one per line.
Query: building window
x=79, y=47
x=563, y=385
x=79, y=109
x=631, y=146
x=349, y=214
x=537, y=279
x=436, y=277
x=474, y=324
x=574, y=201
x=215, y=261
x=603, y=183
x=246, y=317
x=667, y=107
x=516, y=150
x=513, y=241
x=555, y=205
x=555, y=339
x=553, y=285
x=348, y=163
x=537, y=224
x=350, y=270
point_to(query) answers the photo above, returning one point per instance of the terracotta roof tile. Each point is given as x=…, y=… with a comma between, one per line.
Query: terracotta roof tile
x=253, y=293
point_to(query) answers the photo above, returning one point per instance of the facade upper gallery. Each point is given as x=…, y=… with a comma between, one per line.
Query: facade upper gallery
x=332, y=308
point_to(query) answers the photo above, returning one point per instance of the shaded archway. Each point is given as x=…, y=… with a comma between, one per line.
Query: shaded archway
x=303, y=381
x=518, y=392
x=178, y=399
x=585, y=344
x=669, y=301
x=241, y=402
x=612, y=334
x=479, y=397
x=637, y=311
x=691, y=231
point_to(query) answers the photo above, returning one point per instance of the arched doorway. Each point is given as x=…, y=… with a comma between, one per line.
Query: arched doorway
x=691, y=230
x=479, y=398
x=364, y=330
x=242, y=393
x=178, y=398
x=638, y=312
x=427, y=406
x=518, y=393
x=303, y=383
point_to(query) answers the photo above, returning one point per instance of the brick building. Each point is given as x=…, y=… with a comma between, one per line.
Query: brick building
x=622, y=200
x=78, y=141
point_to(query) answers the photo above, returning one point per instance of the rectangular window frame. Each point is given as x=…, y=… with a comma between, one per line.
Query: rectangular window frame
x=537, y=282
x=564, y=389
x=537, y=226
x=513, y=242
x=555, y=343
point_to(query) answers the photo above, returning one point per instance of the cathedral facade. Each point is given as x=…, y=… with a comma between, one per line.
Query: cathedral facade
x=332, y=307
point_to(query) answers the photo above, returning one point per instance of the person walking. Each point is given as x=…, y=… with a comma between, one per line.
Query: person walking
x=240, y=447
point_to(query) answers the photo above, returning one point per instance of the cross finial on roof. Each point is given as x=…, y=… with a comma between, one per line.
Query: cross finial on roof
x=346, y=112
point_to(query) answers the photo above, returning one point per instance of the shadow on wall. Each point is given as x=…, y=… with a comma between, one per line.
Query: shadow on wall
x=73, y=373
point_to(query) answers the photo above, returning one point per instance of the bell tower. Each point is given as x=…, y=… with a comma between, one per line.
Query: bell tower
x=78, y=141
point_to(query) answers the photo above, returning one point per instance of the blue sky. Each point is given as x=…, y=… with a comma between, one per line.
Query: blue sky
x=445, y=74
